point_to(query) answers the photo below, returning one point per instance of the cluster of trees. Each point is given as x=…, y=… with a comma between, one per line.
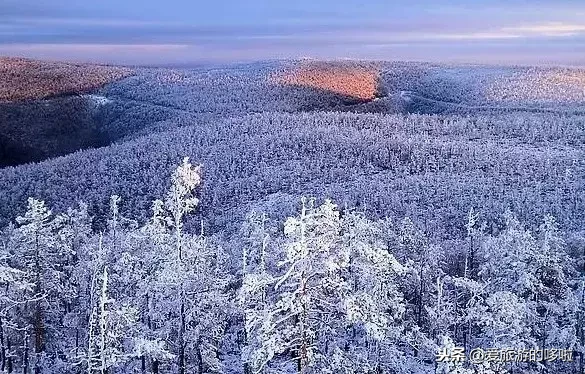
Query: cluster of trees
x=329, y=290
x=164, y=282
x=441, y=83
x=288, y=86
x=312, y=85
x=222, y=91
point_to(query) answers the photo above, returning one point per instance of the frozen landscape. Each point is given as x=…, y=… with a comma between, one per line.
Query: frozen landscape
x=294, y=216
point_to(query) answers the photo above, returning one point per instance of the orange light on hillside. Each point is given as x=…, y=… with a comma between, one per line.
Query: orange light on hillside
x=360, y=82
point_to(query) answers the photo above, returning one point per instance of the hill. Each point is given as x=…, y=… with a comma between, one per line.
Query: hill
x=356, y=81
x=24, y=79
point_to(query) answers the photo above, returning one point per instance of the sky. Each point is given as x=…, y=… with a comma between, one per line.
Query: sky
x=167, y=32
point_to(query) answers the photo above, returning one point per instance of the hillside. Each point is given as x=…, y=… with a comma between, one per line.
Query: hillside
x=44, y=109
x=359, y=82
x=24, y=79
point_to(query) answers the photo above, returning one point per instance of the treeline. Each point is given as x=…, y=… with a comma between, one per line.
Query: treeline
x=328, y=290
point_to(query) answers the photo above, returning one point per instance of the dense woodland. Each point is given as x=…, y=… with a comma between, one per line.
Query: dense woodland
x=24, y=79
x=302, y=234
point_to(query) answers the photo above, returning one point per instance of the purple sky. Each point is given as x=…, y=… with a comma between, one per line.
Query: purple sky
x=187, y=31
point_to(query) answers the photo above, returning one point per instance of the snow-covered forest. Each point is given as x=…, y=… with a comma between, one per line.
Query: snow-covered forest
x=229, y=223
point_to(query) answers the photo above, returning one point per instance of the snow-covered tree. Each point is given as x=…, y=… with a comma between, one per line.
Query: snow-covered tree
x=43, y=251
x=257, y=280
x=538, y=271
x=423, y=287
x=185, y=285
x=334, y=303
x=108, y=328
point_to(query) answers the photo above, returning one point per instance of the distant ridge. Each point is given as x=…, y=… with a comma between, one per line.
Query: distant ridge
x=25, y=79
